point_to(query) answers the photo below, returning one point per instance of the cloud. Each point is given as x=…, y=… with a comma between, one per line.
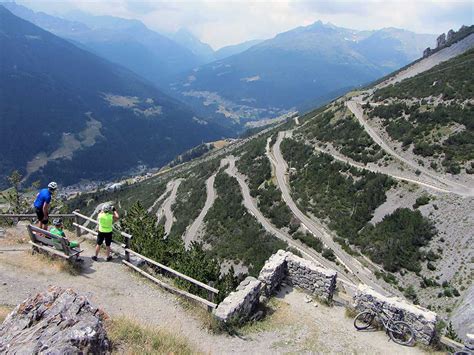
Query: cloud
x=223, y=22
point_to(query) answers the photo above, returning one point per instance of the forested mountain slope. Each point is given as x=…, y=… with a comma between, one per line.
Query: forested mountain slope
x=67, y=115
x=126, y=42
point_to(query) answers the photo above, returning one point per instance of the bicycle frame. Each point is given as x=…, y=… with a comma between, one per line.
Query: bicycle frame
x=386, y=320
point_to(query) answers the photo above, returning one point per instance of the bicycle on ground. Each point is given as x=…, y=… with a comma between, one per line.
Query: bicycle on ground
x=398, y=330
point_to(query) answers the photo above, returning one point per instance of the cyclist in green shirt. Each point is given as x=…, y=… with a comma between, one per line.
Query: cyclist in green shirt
x=58, y=230
x=106, y=220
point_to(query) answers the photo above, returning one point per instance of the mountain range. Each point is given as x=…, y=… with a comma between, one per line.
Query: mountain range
x=68, y=114
x=155, y=56
x=297, y=69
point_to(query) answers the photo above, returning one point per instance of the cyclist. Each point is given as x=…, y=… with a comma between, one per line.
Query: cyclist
x=58, y=230
x=106, y=220
x=42, y=202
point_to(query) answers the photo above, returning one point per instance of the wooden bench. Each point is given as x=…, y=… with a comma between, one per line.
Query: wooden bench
x=48, y=242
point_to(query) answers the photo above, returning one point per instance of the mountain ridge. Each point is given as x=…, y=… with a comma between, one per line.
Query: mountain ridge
x=301, y=65
x=85, y=105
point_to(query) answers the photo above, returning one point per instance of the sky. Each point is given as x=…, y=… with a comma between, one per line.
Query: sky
x=224, y=22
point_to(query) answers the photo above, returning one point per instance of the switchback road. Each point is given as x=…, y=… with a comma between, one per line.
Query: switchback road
x=427, y=177
x=317, y=229
x=251, y=206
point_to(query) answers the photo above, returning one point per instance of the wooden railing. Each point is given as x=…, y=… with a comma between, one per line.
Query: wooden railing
x=76, y=215
x=209, y=302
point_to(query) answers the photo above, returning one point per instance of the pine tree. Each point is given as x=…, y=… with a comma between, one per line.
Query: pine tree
x=451, y=333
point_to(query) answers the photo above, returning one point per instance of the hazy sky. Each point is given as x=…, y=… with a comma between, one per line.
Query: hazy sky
x=223, y=22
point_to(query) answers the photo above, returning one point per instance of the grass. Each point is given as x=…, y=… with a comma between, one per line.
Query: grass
x=278, y=314
x=4, y=311
x=128, y=336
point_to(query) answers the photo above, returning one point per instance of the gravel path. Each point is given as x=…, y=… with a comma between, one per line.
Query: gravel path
x=296, y=325
x=251, y=205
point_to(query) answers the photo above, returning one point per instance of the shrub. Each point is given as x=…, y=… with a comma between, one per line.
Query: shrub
x=329, y=254
x=420, y=201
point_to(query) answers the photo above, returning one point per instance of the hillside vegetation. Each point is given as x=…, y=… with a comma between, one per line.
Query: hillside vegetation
x=338, y=127
x=233, y=233
x=345, y=198
x=432, y=114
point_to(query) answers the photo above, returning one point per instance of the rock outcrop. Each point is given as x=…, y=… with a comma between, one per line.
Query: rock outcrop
x=58, y=321
x=441, y=40
x=422, y=321
x=463, y=315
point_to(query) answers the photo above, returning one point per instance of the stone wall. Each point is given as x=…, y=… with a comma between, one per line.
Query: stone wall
x=281, y=266
x=305, y=274
x=239, y=305
x=273, y=272
x=422, y=321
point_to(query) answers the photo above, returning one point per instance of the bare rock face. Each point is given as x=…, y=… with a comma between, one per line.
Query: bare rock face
x=58, y=321
x=441, y=40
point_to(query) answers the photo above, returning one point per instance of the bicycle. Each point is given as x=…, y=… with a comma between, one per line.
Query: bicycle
x=399, y=331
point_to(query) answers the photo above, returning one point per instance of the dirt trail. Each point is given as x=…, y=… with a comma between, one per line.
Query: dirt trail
x=169, y=187
x=251, y=206
x=376, y=169
x=295, y=325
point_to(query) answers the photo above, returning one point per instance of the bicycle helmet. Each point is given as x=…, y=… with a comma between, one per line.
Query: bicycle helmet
x=57, y=222
x=52, y=185
x=107, y=208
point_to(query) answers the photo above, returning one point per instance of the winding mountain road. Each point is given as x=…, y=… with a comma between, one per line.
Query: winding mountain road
x=191, y=232
x=430, y=179
x=251, y=206
x=169, y=187
x=317, y=229
x=379, y=170
x=165, y=209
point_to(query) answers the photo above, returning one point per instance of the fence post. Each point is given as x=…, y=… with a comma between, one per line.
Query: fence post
x=127, y=246
x=76, y=220
x=210, y=296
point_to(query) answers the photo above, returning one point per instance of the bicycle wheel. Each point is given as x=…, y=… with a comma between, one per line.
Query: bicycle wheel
x=401, y=333
x=363, y=320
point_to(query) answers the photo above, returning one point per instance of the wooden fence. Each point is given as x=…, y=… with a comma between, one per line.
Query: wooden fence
x=211, y=291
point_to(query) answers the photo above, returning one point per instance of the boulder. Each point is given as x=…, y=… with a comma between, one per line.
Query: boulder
x=58, y=321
